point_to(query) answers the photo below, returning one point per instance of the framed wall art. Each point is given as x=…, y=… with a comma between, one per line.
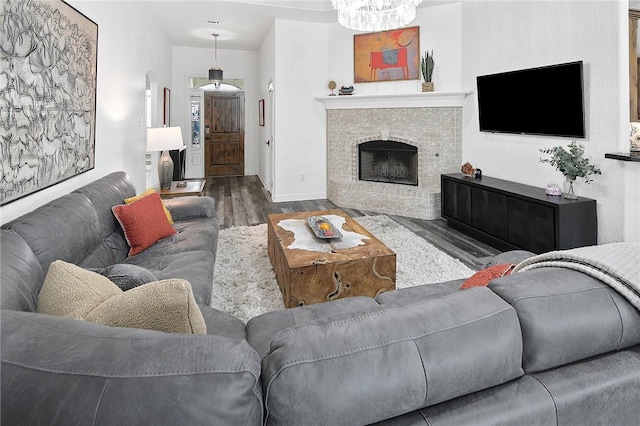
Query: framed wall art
x=261, y=112
x=387, y=55
x=167, y=107
x=48, y=110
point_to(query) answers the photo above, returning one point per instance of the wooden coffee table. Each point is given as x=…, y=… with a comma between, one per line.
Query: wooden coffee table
x=314, y=270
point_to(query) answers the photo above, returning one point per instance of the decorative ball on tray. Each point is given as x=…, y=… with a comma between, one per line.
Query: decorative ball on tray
x=323, y=228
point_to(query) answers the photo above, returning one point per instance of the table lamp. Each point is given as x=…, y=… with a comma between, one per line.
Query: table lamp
x=165, y=139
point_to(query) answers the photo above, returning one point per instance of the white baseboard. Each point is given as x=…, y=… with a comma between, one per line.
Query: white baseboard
x=299, y=197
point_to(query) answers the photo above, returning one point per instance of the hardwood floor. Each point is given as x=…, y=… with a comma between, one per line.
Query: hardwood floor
x=242, y=200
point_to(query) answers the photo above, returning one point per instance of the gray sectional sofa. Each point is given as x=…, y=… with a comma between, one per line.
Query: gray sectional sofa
x=550, y=346
x=68, y=372
x=544, y=347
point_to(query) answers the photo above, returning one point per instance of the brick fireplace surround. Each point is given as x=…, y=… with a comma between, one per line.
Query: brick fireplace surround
x=432, y=122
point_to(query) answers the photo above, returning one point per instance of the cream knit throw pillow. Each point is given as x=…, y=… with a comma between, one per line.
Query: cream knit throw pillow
x=168, y=305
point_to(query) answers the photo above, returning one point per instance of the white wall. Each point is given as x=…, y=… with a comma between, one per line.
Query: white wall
x=301, y=58
x=502, y=36
x=307, y=57
x=440, y=31
x=236, y=64
x=266, y=73
x=631, y=170
x=129, y=45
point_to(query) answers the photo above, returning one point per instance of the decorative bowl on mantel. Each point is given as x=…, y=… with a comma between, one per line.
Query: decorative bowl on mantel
x=346, y=90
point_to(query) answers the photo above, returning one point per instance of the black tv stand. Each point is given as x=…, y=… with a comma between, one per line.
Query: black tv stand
x=509, y=215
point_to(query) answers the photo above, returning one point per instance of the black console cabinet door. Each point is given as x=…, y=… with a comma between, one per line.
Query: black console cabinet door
x=531, y=226
x=489, y=212
x=456, y=201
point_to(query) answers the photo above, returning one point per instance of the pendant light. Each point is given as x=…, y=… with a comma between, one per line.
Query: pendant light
x=215, y=73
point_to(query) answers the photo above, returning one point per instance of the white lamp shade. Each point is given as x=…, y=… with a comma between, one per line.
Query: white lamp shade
x=164, y=138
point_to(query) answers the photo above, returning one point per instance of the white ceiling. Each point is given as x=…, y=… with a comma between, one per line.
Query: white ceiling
x=243, y=23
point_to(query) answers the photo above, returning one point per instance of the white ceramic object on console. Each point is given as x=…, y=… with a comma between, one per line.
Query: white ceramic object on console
x=553, y=189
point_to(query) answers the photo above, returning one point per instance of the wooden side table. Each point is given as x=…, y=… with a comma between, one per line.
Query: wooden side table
x=193, y=187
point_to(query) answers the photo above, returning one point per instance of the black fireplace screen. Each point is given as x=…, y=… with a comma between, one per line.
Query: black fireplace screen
x=389, y=162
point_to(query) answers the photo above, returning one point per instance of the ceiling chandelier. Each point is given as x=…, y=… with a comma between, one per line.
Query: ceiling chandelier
x=375, y=15
x=215, y=73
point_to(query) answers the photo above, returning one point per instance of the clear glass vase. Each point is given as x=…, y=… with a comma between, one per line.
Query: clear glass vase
x=569, y=190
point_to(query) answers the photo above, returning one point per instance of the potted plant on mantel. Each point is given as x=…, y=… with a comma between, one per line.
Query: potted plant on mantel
x=572, y=165
x=426, y=66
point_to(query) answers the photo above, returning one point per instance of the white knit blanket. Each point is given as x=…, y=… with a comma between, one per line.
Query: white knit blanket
x=616, y=264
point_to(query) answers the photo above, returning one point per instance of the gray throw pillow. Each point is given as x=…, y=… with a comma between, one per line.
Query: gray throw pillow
x=126, y=276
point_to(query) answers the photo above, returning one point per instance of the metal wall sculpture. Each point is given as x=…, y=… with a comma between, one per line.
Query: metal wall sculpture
x=48, y=63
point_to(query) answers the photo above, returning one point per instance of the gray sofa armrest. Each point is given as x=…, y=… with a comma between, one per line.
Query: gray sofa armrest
x=192, y=207
x=78, y=372
x=513, y=256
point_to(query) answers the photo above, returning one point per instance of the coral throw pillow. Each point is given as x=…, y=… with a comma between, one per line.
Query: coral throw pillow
x=144, y=194
x=143, y=222
x=484, y=277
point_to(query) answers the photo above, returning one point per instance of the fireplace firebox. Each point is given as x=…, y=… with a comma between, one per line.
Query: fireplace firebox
x=388, y=162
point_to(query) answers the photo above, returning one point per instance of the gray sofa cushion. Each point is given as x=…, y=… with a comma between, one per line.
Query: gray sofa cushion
x=72, y=233
x=183, y=209
x=105, y=193
x=388, y=362
x=190, y=254
x=262, y=329
x=126, y=276
x=193, y=266
x=111, y=250
x=521, y=402
x=94, y=374
x=20, y=274
x=409, y=296
x=513, y=256
x=80, y=226
x=567, y=316
x=606, y=388
x=222, y=324
x=603, y=390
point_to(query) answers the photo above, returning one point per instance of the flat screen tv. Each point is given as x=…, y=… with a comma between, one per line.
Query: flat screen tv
x=538, y=101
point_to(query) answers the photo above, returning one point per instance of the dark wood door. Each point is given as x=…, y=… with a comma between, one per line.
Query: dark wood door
x=224, y=133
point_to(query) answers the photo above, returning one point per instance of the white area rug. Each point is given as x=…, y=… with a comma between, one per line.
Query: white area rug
x=245, y=286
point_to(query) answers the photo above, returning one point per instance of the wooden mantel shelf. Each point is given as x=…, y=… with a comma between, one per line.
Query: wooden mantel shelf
x=395, y=100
